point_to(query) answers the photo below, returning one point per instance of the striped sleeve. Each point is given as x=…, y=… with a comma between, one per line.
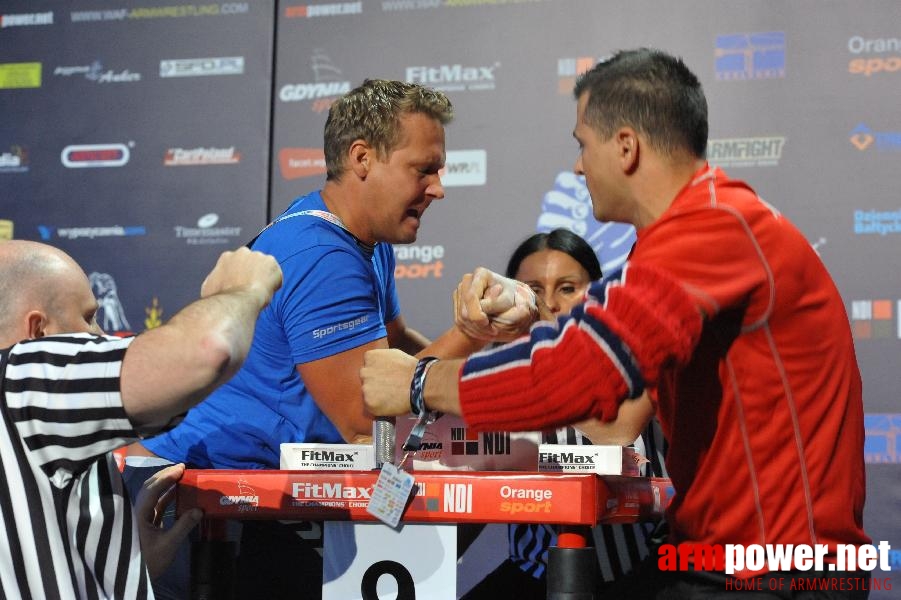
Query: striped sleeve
x=70, y=531
x=584, y=365
x=62, y=393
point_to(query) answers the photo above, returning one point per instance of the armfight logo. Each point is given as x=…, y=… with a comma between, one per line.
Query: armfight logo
x=746, y=152
x=568, y=206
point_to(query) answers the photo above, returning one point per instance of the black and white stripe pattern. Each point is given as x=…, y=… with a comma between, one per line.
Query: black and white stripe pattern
x=620, y=547
x=68, y=523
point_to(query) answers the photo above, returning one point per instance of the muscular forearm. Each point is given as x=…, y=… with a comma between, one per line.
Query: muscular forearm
x=441, y=391
x=453, y=343
x=631, y=420
x=169, y=369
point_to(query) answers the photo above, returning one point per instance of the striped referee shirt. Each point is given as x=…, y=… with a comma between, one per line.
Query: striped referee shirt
x=70, y=531
x=620, y=547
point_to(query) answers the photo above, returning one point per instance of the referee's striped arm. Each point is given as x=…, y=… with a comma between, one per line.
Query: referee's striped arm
x=620, y=547
x=68, y=522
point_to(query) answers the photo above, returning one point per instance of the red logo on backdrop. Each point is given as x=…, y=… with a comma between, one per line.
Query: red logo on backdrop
x=95, y=155
x=301, y=162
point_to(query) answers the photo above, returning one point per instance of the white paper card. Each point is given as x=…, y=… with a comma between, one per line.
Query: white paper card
x=390, y=495
x=368, y=560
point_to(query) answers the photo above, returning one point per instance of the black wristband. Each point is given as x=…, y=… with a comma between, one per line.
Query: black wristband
x=417, y=385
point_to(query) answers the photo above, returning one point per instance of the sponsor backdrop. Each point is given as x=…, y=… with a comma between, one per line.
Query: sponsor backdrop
x=145, y=137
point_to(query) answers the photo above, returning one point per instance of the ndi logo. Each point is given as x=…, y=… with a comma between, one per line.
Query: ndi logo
x=568, y=206
x=568, y=69
x=871, y=319
x=742, y=56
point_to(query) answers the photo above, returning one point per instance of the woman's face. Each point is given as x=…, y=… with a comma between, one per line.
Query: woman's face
x=556, y=277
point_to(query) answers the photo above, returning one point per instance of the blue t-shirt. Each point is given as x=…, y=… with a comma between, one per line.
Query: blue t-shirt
x=335, y=297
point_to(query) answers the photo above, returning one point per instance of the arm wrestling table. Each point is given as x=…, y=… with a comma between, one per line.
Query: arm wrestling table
x=574, y=501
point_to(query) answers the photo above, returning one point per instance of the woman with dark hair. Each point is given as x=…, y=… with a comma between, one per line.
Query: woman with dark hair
x=559, y=266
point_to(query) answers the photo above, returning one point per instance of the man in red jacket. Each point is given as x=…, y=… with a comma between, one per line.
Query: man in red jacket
x=724, y=312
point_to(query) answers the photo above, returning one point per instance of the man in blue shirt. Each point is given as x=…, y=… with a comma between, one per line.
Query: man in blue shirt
x=384, y=147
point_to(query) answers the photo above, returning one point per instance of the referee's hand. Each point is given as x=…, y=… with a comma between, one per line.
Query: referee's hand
x=159, y=545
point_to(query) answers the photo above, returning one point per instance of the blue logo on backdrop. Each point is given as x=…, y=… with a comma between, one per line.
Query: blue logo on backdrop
x=883, y=438
x=894, y=558
x=741, y=56
x=73, y=233
x=863, y=138
x=568, y=206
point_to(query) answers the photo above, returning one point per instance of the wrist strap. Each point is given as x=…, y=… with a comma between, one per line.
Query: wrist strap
x=417, y=404
x=417, y=385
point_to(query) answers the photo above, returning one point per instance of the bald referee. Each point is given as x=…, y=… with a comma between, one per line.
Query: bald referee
x=71, y=395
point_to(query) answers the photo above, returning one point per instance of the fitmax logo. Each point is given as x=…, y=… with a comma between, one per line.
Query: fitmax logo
x=329, y=491
x=565, y=458
x=327, y=456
